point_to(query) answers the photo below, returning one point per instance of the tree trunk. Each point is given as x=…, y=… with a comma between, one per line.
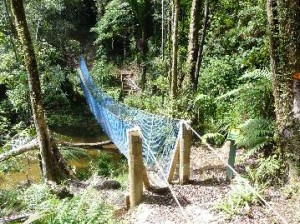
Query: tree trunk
x=53, y=166
x=201, y=44
x=193, y=46
x=162, y=29
x=284, y=27
x=13, y=34
x=175, y=50
x=143, y=46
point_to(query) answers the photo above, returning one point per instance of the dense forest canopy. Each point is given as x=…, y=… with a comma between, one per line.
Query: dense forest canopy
x=228, y=66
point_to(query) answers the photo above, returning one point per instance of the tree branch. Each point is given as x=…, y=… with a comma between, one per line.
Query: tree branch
x=34, y=145
x=19, y=150
x=95, y=145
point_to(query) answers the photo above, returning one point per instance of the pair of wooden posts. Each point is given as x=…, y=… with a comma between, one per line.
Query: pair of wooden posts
x=137, y=172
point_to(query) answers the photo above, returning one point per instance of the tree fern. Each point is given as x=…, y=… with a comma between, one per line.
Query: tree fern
x=255, y=134
x=258, y=74
x=258, y=78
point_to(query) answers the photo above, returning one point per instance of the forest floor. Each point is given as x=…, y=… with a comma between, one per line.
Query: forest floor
x=200, y=199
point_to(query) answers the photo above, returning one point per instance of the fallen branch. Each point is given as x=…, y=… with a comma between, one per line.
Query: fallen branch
x=95, y=145
x=34, y=145
x=19, y=150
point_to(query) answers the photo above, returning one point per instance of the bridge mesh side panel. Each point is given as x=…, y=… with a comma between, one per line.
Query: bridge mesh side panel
x=159, y=133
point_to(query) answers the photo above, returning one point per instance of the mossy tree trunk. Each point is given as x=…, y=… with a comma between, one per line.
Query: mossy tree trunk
x=174, y=75
x=53, y=165
x=284, y=28
x=193, y=46
x=201, y=44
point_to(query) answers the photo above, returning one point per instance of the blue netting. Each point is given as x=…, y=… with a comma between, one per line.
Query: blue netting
x=159, y=133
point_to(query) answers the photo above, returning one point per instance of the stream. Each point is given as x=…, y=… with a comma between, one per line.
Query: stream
x=30, y=170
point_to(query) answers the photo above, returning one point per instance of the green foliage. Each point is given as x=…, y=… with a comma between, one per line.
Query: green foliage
x=38, y=197
x=253, y=98
x=47, y=208
x=219, y=76
x=255, y=134
x=213, y=138
x=105, y=74
x=239, y=199
x=70, y=153
x=147, y=102
x=10, y=201
x=268, y=171
x=79, y=209
x=114, y=29
x=23, y=136
x=205, y=111
x=88, y=207
x=291, y=190
x=106, y=165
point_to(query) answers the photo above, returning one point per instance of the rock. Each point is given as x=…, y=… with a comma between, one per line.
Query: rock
x=60, y=190
x=107, y=184
x=100, y=183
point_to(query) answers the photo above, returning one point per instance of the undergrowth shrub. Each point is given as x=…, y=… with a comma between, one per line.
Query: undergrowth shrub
x=108, y=166
x=268, y=171
x=239, y=199
x=256, y=135
x=215, y=139
x=83, y=208
x=38, y=197
x=10, y=201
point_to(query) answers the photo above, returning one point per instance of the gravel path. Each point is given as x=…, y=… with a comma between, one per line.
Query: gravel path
x=197, y=199
x=200, y=197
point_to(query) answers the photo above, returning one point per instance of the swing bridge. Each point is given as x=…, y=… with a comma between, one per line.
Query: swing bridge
x=161, y=137
x=151, y=143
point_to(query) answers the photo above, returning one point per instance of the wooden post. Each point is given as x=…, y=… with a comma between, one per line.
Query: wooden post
x=174, y=162
x=146, y=181
x=231, y=160
x=184, y=154
x=135, y=162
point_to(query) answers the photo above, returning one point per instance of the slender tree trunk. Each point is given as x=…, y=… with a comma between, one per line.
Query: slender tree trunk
x=143, y=45
x=193, y=46
x=170, y=22
x=13, y=34
x=201, y=44
x=53, y=166
x=284, y=27
x=163, y=29
x=175, y=50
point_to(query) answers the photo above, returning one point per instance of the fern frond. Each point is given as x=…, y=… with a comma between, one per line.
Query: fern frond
x=231, y=93
x=202, y=97
x=255, y=134
x=258, y=74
